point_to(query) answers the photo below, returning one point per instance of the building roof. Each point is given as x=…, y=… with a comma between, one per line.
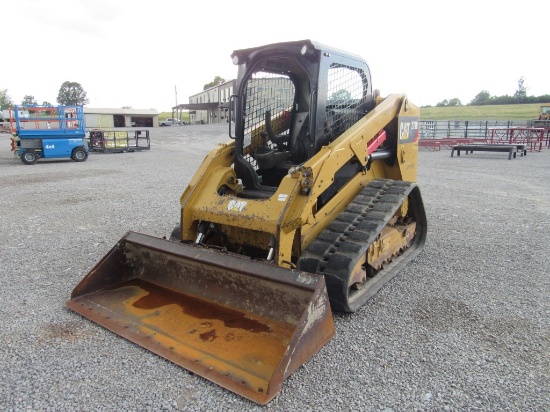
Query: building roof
x=197, y=106
x=135, y=112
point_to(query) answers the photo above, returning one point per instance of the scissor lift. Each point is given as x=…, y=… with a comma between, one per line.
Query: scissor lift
x=49, y=132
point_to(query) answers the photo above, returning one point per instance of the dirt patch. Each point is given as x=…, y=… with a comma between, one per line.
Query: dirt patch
x=67, y=332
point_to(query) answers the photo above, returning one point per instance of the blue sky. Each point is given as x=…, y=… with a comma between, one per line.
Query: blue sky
x=135, y=53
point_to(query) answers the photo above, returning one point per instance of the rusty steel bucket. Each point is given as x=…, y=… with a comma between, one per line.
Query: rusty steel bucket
x=243, y=324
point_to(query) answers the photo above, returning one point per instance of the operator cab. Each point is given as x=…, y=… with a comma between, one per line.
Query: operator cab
x=292, y=99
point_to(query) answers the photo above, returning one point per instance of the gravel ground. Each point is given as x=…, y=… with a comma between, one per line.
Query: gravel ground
x=464, y=327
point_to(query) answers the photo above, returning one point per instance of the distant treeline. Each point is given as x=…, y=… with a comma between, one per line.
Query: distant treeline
x=484, y=98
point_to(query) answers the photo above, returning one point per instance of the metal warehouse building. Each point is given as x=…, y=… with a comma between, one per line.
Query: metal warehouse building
x=209, y=106
x=110, y=118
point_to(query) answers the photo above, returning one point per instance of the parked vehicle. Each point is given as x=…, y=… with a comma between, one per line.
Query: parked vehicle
x=48, y=132
x=168, y=122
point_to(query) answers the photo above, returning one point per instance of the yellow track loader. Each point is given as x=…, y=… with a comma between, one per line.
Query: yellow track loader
x=311, y=206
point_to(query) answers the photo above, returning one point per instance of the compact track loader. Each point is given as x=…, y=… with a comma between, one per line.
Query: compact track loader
x=312, y=205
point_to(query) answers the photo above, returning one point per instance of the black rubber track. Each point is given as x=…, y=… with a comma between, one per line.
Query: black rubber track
x=346, y=240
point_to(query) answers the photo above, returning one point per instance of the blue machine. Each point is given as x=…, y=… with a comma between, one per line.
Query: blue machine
x=49, y=132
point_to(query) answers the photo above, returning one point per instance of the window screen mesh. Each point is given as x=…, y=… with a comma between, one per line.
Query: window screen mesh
x=265, y=91
x=346, y=90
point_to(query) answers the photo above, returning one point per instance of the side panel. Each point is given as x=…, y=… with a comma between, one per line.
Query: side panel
x=31, y=144
x=407, y=153
x=57, y=148
x=351, y=145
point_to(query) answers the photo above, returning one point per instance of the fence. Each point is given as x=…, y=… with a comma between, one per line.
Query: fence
x=478, y=129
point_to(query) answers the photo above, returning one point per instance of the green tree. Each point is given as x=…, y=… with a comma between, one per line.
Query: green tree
x=482, y=98
x=342, y=96
x=72, y=94
x=28, y=99
x=217, y=80
x=48, y=112
x=454, y=102
x=521, y=92
x=5, y=100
